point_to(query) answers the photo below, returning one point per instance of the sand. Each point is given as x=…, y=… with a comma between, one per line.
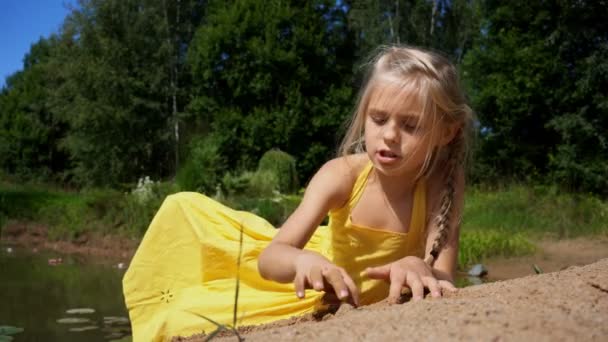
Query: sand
x=571, y=305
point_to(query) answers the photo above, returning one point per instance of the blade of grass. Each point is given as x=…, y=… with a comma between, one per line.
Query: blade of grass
x=238, y=278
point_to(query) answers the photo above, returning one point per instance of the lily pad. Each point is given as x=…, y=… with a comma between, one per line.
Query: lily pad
x=9, y=330
x=80, y=311
x=72, y=320
x=115, y=320
x=87, y=328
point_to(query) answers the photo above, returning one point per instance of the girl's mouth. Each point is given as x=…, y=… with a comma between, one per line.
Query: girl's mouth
x=386, y=156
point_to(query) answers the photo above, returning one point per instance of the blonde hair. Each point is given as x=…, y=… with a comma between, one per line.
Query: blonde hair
x=432, y=80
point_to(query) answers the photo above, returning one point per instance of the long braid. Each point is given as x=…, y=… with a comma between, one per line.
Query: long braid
x=454, y=159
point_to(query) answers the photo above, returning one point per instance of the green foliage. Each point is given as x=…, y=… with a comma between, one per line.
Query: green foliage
x=69, y=215
x=263, y=183
x=123, y=87
x=235, y=184
x=535, y=76
x=29, y=130
x=132, y=215
x=272, y=74
x=205, y=164
x=105, y=93
x=283, y=166
x=275, y=209
x=449, y=26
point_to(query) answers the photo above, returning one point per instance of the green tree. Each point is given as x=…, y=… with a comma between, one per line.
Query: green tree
x=272, y=74
x=445, y=25
x=29, y=131
x=122, y=62
x=537, y=78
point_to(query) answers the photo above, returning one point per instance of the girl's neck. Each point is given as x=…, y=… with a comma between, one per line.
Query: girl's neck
x=395, y=187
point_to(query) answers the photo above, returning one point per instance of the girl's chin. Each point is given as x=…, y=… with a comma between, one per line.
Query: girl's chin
x=389, y=169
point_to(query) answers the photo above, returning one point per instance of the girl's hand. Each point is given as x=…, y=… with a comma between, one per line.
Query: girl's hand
x=412, y=272
x=313, y=271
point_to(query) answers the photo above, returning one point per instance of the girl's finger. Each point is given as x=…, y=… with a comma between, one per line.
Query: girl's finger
x=299, y=285
x=433, y=285
x=316, y=278
x=415, y=283
x=334, y=278
x=446, y=285
x=352, y=287
x=397, y=280
x=381, y=272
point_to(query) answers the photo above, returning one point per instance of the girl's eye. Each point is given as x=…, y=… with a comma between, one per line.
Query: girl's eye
x=409, y=126
x=379, y=120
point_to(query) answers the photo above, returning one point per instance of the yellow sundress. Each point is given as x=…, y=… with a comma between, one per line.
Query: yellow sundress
x=186, y=265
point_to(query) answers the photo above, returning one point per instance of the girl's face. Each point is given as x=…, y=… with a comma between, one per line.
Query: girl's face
x=397, y=139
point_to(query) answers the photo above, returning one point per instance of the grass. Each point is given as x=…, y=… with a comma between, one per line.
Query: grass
x=480, y=244
x=504, y=222
x=501, y=222
x=538, y=210
x=69, y=214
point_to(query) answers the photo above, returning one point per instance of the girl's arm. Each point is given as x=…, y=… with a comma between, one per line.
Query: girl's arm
x=328, y=189
x=444, y=267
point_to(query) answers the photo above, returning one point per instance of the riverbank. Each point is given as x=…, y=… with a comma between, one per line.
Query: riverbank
x=95, y=246
x=539, y=307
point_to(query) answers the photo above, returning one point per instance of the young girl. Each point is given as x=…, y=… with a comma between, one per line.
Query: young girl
x=394, y=199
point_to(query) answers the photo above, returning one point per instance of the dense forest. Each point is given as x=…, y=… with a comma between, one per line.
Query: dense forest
x=133, y=88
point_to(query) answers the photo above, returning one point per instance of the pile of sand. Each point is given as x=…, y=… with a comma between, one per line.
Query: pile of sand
x=567, y=305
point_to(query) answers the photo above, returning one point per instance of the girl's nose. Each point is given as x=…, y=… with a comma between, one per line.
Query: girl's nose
x=391, y=132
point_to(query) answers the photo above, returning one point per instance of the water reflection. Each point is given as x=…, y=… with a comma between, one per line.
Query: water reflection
x=38, y=289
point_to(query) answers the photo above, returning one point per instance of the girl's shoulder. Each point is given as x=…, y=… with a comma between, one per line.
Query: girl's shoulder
x=347, y=167
x=338, y=176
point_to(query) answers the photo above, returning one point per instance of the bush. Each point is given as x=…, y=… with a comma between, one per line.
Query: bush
x=205, y=164
x=235, y=184
x=283, y=166
x=275, y=209
x=263, y=184
x=129, y=212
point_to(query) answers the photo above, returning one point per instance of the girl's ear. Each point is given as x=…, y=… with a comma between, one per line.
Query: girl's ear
x=449, y=132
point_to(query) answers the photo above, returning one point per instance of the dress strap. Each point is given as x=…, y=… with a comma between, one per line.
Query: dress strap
x=359, y=185
x=418, y=216
x=418, y=220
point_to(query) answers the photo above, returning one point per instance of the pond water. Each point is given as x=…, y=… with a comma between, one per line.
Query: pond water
x=38, y=289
